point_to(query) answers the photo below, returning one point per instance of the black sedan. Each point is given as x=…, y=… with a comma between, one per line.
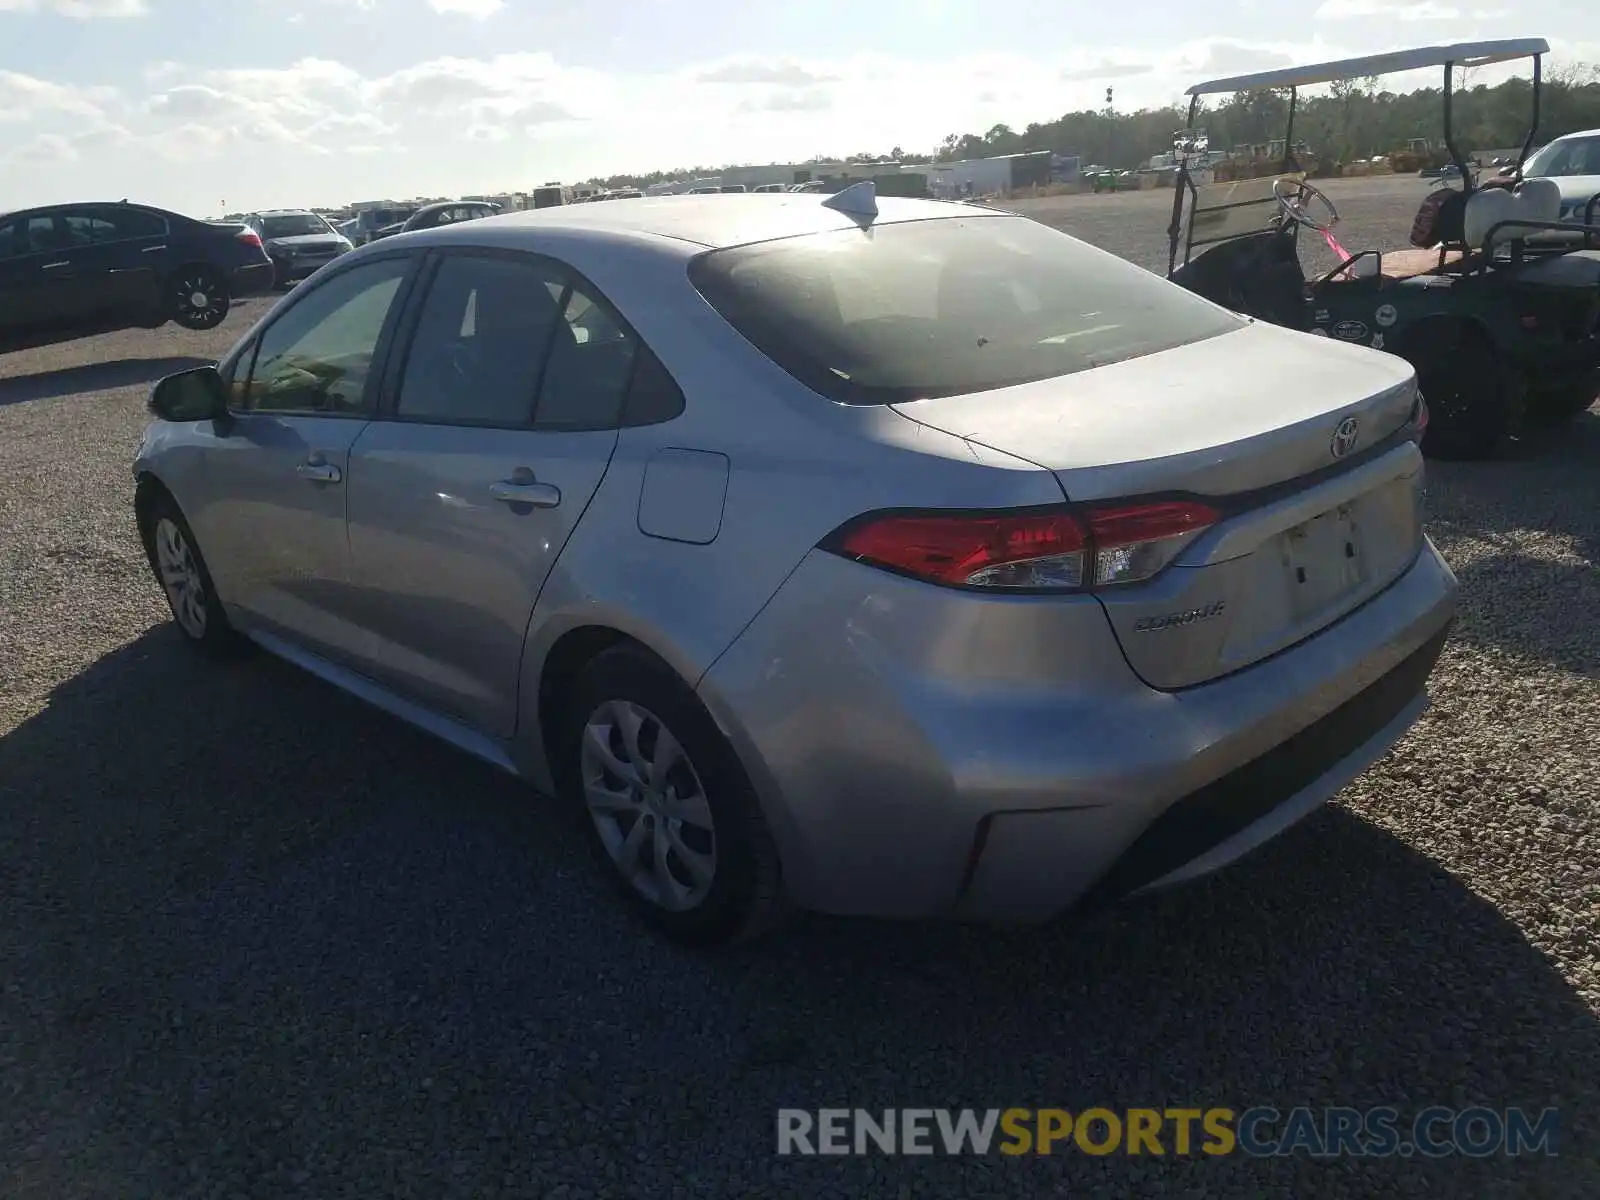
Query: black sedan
x=447, y=212
x=298, y=242
x=71, y=270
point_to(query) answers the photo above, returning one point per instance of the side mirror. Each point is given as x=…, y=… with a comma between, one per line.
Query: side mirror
x=198, y=394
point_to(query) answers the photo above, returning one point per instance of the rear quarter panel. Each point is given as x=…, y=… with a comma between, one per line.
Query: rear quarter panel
x=799, y=466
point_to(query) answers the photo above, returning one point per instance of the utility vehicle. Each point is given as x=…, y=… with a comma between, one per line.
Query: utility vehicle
x=1498, y=318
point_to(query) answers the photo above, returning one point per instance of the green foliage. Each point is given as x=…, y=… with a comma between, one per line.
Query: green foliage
x=1350, y=119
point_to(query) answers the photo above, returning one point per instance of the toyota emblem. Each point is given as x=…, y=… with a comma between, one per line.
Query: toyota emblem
x=1344, y=437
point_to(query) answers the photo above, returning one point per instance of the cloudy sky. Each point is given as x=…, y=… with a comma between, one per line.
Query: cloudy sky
x=251, y=103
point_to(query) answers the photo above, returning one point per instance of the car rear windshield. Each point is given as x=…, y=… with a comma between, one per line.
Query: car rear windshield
x=941, y=307
x=292, y=225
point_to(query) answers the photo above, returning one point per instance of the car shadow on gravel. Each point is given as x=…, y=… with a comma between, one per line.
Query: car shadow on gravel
x=262, y=940
x=92, y=377
x=1524, y=536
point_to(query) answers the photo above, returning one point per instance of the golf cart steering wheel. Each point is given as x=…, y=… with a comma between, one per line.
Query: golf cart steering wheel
x=1296, y=197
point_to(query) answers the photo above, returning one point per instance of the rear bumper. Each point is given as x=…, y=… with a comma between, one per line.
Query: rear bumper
x=893, y=790
x=253, y=279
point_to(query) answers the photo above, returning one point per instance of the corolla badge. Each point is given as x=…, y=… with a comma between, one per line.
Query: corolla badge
x=1344, y=437
x=1179, y=619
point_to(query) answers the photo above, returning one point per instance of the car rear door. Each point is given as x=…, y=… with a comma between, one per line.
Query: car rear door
x=498, y=425
x=269, y=504
x=121, y=267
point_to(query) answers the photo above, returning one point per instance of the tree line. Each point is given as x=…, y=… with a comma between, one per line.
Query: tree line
x=1353, y=119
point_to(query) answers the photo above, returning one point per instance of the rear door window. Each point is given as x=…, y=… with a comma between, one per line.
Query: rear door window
x=481, y=341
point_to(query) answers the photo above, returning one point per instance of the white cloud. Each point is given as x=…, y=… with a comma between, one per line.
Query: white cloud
x=81, y=10
x=320, y=131
x=24, y=98
x=477, y=9
x=747, y=71
x=48, y=149
x=1105, y=68
x=1427, y=10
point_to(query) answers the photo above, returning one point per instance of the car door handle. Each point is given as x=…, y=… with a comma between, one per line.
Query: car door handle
x=56, y=266
x=152, y=250
x=125, y=271
x=539, y=495
x=319, y=472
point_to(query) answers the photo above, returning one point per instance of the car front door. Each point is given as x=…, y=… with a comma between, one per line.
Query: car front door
x=497, y=427
x=39, y=284
x=15, y=277
x=275, y=477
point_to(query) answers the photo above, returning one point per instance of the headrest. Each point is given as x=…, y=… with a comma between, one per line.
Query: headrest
x=1532, y=200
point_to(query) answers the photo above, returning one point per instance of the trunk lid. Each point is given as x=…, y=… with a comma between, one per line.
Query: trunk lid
x=1249, y=422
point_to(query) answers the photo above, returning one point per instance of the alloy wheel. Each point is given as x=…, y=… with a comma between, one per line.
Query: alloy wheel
x=199, y=299
x=648, y=805
x=180, y=577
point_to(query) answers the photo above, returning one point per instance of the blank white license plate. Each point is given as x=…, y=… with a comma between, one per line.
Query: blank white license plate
x=1322, y=561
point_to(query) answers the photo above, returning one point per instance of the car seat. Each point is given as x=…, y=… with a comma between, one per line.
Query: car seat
x=1259, y=275
x=1530, y=200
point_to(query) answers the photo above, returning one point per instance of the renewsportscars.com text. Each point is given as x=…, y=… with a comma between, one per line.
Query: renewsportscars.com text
x=1434, y=1132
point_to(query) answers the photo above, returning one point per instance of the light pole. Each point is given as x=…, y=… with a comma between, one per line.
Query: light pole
x=1111, y=131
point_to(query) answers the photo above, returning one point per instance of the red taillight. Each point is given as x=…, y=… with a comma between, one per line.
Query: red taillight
x=1057, y=549
x=250, y=238
x=971, y=550
x=1419, y=420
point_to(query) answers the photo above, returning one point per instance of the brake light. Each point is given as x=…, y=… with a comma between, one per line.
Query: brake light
x=1419, y=419
x=250, y=238
x=1054, y=549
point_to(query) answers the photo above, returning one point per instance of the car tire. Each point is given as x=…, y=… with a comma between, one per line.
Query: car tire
x=197, y=297
x=1552, y=406
x=181, y=572
x=1474, y=399
x=679, y=833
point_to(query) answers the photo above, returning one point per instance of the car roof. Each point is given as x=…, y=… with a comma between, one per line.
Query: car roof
x=1576, y=133
x=50, y=208
x=455, y=204
x=726, y=219
x=284, y=212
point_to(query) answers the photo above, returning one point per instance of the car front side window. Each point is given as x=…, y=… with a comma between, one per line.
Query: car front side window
x=317, y=357
x=41, y=235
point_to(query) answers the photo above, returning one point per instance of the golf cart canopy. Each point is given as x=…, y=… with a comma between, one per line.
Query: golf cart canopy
x=1461, y=54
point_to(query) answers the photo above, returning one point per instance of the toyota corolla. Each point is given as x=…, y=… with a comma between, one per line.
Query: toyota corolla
x=860, y=555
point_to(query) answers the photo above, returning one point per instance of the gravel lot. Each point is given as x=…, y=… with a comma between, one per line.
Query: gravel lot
x=257, y=940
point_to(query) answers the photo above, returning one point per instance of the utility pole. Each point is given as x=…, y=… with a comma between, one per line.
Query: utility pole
x=1111, y=130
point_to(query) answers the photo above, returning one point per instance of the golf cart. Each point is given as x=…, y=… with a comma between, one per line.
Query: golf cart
x=1499, y=321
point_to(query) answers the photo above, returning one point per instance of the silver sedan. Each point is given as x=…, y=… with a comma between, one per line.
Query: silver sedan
x=838, y=553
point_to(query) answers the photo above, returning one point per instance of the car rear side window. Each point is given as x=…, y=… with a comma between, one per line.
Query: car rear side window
x=117, y=224
x=942, y=307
